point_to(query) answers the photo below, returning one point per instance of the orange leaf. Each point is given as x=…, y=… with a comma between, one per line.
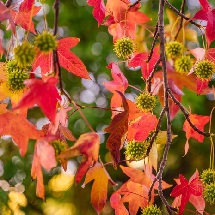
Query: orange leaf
x=136, y=195
x=16, y=125
x=87, y=145
x=99, y=189
x=118, y=127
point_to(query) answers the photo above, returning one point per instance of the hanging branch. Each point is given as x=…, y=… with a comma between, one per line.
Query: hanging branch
x=181, y=14
x=56, y=63
x=166, y=105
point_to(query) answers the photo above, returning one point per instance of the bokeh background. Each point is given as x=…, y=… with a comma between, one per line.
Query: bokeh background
x=95, y=49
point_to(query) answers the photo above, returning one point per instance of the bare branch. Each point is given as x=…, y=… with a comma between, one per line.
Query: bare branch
x=181, y=14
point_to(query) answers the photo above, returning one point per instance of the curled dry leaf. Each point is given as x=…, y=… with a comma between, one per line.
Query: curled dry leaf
x=88, y=146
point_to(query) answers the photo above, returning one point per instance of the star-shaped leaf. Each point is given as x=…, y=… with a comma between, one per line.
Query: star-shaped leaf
x=42, y=93
x=186, y=189
x=23, y=17
x=67, y=59
x=15, y=124
x=101, y=178
x=207, y=14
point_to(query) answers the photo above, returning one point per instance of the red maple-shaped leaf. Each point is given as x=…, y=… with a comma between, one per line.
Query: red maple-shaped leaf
x=186, y=189
x=101, y=178
x=87, y=145
x=207, y=14
x=118, y=127
x=119, y=83
x=67, y=59
x=141, y=128
x=141, y=60
x=44, y=156
x=200, y=122
x=23, y=17
x=99, y=10
x=42, y=93
x=15, y=124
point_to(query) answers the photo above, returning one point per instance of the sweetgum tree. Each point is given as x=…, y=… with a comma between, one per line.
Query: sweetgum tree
x=138, y=153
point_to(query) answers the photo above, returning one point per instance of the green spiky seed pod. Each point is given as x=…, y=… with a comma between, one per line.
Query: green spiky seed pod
x=146, y=102
x=151, y=210
x=204, y=69
x=136, y=150
x=16, y=78
x=59, y=146
x=24, y=54
x=174, y=49
x=124, y=47
x=208, y=176
x=11, y=65
x=183, y=64
x=45, y=42
x=209, y=193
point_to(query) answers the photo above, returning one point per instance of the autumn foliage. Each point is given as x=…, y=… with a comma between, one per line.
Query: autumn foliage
x=163, y=54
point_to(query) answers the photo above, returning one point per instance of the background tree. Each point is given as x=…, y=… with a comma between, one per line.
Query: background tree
x=116, y=107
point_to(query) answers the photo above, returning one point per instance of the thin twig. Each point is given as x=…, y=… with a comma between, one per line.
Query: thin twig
x=84, y=118
x=181, y=19
x=187, y=115
x=156, y=131
x=152, y=48
x=181, y=14
x=149, y=79
x=8, y=3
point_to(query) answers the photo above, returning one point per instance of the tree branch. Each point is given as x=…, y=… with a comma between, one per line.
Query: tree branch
x=181, y=14
x=166, y=102
x=8, y=3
